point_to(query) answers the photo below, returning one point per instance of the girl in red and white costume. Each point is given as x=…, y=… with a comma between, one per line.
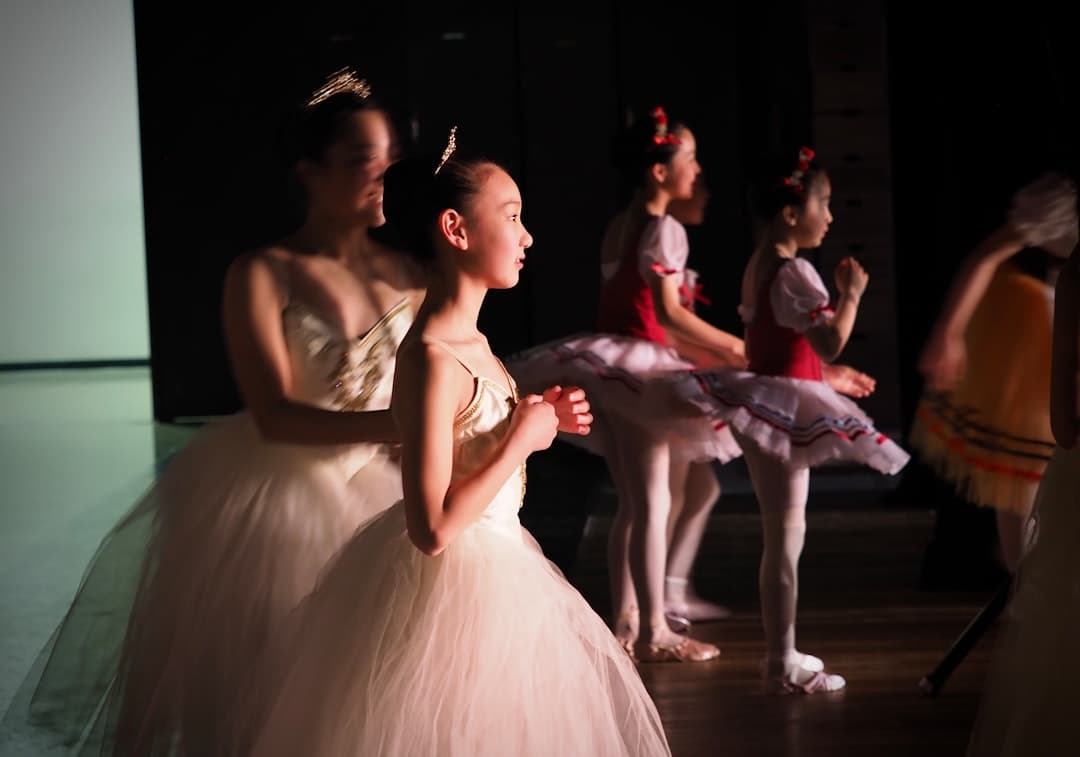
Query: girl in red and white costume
x=787, y=411
x=649, y=332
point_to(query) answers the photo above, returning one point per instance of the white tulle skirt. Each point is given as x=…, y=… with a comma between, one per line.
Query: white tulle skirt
x=173, y=613
x=484, y=649
x=245, y=528
x=620, y=376
x=1029, y=704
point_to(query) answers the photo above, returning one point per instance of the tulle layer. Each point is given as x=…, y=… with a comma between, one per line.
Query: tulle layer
x=618, y=374
x=804, y=423
x=177, y=603
x=484, y=649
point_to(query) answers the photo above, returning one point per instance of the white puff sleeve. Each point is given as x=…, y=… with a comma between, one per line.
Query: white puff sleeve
x=663, y=249
x=798, y=296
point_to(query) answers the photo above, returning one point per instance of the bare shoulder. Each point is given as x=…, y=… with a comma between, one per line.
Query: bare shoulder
x=419, y=357
x=257, y=275
x=425, y=369
x=262, y=261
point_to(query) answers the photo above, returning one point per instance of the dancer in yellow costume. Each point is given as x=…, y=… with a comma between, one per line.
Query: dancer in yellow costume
x=984, y=420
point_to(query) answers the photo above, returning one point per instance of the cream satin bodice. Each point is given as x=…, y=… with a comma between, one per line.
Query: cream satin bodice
x=335, y=372
x=478, y=429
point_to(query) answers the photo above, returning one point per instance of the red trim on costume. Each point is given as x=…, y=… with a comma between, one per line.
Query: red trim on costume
x=695, y=294
x=959, y=446
x=810, y=441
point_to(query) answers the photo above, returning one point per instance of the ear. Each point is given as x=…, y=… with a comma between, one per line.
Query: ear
x=452, y=227
x=790, y=215
x=658, y=172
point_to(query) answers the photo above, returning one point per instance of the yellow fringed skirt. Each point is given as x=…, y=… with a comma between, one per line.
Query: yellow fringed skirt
x=990, y=436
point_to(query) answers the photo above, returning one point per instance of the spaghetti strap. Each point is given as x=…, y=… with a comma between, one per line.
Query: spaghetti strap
x=452, y=352
x=509, y=380
x=510, y=388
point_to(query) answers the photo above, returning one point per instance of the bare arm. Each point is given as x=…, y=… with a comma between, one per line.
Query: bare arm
x=973, y=279
x=1063, y=373
x=688, y=327
x=943, y=359
x=829, y=338
x=260, y=364
x=436, y=510
x=703, y=357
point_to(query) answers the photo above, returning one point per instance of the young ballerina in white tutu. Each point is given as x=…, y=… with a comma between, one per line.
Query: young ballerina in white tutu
x=441, y=629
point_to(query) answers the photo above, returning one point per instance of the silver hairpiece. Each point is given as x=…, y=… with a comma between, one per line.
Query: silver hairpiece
x=344, y=80
x=451, y=145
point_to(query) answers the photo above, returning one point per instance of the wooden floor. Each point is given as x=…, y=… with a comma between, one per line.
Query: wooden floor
x=860, y=610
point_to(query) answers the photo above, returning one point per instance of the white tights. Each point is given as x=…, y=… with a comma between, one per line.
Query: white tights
x=660, y=503
x=782, y=493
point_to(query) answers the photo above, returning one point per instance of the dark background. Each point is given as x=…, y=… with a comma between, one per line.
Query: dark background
x=974, y=103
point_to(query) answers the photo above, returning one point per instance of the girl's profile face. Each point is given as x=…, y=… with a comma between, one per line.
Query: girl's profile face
x=683, y=168
x=497, y=236
x=813, y=218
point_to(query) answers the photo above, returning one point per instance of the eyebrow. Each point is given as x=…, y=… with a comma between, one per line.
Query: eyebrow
x=510, y=202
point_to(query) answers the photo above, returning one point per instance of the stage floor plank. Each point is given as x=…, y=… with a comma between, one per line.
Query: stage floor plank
x=860, y=610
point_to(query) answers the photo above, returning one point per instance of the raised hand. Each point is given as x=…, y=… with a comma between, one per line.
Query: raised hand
x=571, y=409
x=943, y=362
x=534, y=423
x=851, y=278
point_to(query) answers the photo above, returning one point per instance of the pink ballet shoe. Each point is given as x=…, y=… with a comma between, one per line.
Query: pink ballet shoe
x=686, y=650
x=806, y=677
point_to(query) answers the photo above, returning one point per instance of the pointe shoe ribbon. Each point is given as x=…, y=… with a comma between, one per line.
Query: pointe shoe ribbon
x=814, y=681
x=820, y=681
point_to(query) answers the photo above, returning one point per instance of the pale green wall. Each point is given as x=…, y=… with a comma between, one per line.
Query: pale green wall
x=72, y=260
